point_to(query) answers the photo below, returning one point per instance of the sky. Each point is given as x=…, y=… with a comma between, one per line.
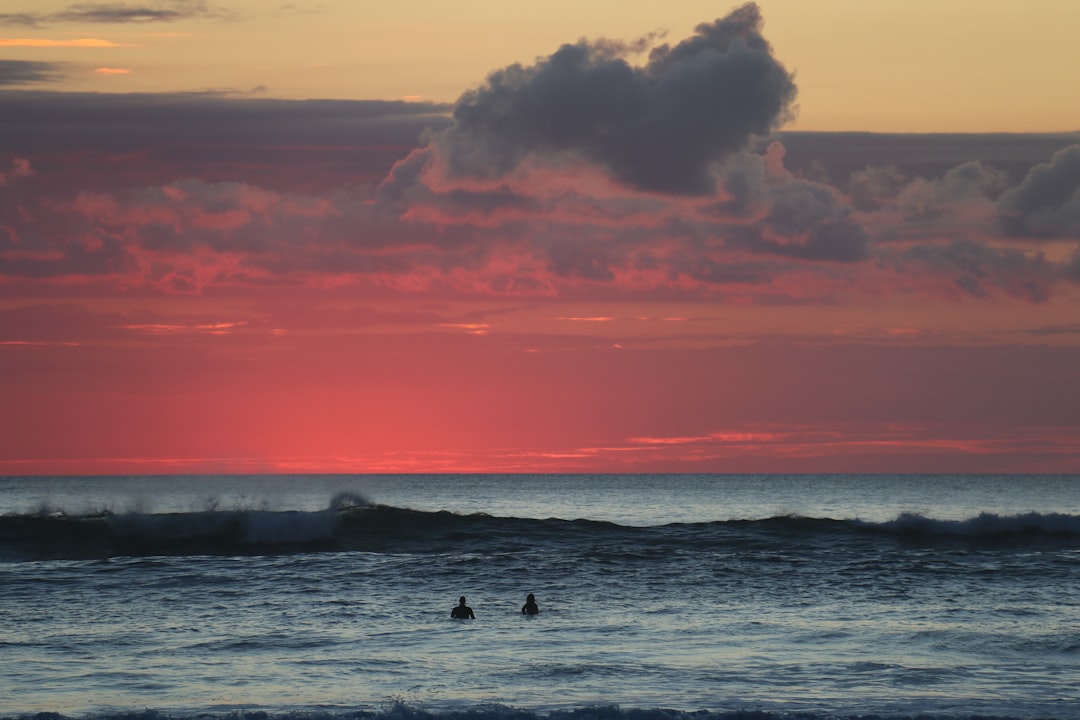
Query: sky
x=488, y=236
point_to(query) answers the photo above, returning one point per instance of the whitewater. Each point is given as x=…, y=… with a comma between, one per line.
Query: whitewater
x=661, y=597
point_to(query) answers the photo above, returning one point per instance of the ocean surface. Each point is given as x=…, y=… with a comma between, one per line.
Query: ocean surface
x=661, y=596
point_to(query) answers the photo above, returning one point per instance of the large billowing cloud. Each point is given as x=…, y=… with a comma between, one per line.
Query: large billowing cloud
x=656, y=127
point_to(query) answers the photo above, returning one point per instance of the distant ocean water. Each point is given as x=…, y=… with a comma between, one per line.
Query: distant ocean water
x=661, y=597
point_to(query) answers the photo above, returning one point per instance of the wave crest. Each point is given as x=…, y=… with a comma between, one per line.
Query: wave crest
x=351, y=523
x=987, y=525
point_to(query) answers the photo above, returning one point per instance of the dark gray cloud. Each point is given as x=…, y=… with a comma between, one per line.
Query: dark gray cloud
x=809, y=221
x=1047, y=202
x=25, y=72
x=119, y=13
x=31, y=20
x=792, y=217
x=876, y=187
x=169, y=11
x=403, y=180
x=657, y=127
x=977, y=268
x=95, y=253
x=34, y=121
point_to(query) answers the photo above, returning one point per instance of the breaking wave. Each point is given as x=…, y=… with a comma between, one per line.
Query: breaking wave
x=350, y=523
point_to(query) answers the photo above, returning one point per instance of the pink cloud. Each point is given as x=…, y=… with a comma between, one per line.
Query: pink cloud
x=705, y=255
x=766, y=235
x=470, y=328
x=20, y=168
x=596, y=319
x=216, y=328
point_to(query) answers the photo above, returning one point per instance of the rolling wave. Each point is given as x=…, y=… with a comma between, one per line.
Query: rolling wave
x=349, y=523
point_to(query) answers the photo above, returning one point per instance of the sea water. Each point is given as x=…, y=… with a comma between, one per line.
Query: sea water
x=661, y=596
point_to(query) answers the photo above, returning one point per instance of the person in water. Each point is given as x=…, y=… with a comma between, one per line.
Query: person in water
x=462, y=611
x=530, y=607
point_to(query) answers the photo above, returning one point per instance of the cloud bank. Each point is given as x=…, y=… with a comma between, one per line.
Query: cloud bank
x=580, y=175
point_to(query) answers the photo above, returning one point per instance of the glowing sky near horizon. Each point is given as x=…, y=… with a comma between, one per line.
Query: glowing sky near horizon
x=489, y=236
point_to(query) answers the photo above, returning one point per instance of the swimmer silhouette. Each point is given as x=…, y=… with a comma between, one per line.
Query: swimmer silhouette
x=462, y=611
x=530, y=607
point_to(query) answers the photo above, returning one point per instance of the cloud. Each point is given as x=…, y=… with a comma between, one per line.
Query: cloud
x=657, y=127
x=25, y=72
x=877, y=188
x=47, y=121
x=118, y=13
x=47, y=43
x=20, y=168
x=791, y=240
x=978, y=268
x=94, y=252
x=111, y=141
x=181, y=192
x=808, y=222
x=177, y=191
x=1047, y=202
x=833, y=157
x=762, y=233
x=802, y=219
x=31, y=20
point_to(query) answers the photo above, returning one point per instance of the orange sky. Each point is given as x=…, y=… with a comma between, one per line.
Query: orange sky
x=608, y=257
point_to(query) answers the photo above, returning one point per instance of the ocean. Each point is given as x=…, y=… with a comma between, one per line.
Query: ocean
x=661, y=597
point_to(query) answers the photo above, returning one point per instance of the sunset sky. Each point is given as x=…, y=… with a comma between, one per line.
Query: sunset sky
x=491, y=236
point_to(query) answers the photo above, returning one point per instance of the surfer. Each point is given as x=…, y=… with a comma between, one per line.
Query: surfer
x=530, y=607
x=462, y=611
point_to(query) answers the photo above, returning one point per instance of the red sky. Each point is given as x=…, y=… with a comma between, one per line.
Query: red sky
x=602, y=261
